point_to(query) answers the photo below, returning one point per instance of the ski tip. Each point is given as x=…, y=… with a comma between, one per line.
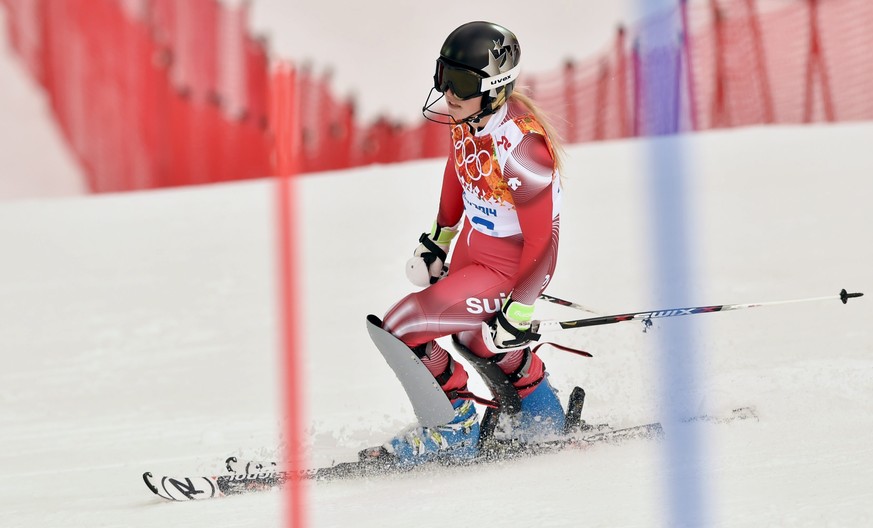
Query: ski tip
x=147, y=478
x=845, y=296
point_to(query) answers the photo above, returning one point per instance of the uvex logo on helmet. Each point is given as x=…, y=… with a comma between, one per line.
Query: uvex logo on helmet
x=497, y=82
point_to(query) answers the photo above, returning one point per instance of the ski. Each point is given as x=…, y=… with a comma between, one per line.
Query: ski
x=267, y=476
x=254, y=476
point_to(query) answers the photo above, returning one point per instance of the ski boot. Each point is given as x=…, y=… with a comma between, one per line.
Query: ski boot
x=541, y=418
x=455, y=441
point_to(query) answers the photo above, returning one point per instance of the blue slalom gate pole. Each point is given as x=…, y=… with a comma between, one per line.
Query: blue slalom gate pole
x=659, y=51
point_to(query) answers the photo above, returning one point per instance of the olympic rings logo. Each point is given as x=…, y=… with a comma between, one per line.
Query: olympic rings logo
x=468, y=156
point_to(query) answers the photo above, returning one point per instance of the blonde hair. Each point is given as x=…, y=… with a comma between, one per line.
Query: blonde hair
x=543, y=119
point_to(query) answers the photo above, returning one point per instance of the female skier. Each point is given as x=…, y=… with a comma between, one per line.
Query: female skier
x=501, y=188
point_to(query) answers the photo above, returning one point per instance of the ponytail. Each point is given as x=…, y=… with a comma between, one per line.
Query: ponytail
x=555, y=138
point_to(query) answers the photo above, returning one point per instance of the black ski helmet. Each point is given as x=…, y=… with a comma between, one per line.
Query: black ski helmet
x=487, y=49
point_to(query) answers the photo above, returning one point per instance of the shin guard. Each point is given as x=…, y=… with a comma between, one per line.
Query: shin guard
x=431, y=405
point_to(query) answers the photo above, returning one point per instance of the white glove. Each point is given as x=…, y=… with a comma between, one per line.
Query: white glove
x=510, y=330
x=428, y=265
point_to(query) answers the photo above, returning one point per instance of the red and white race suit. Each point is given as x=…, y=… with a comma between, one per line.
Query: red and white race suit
x=503, y=180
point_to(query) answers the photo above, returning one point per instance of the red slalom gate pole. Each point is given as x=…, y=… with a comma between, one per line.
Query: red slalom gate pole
x=295, y=489
x=289, y=317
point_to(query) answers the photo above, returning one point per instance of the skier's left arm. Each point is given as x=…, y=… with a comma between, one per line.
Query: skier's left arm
x=532, y=164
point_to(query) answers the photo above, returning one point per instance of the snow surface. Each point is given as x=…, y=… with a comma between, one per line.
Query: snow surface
x=139, y=332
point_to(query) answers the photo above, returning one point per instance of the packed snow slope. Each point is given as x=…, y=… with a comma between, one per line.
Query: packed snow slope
x=139, y=332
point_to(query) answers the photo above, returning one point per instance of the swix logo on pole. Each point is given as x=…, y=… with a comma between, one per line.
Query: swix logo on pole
x=666, y=313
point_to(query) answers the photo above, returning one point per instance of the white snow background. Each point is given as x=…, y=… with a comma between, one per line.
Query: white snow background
x=138, y=333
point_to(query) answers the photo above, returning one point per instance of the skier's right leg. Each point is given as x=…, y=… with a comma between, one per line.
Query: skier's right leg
x=417, y=320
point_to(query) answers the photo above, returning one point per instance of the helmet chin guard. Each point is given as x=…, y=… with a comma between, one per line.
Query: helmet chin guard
x=427, y=111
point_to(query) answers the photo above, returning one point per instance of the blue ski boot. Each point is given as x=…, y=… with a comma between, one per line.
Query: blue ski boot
x=457, y=440
x=541, y=417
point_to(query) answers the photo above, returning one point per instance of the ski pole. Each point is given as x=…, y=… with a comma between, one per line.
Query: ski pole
x=539, y=327
x=568, y=304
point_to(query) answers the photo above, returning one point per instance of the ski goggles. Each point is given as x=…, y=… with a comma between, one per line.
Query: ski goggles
x=466, y=84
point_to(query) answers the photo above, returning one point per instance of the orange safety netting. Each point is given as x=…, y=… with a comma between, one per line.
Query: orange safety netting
x=156, y=93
